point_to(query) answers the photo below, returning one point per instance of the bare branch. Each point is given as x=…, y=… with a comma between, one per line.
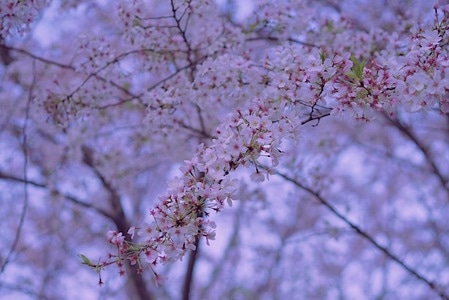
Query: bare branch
x=120, y=221
x=407, y=131
x=233, y=241
x=433, y=286
x=188, y=278
x=25, y=173
x=275, y=39
x=70, y=198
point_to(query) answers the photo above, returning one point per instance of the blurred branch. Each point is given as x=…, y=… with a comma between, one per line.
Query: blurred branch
x=269, y=284
x=25, y=173
x=232, y=244
x=365, y=235
x=188, y=279
x=70, y=198
x=275, y=39
x=114, y=199
x=72, y=68
x=435, y=228
x=38, y=58
x=23, y=288
x=96, y=75
x=332, y=5
x=407, y=131
x=5, y=55
x=120, y=221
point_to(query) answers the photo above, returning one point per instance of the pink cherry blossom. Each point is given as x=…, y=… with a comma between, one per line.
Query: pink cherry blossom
x=152, y=118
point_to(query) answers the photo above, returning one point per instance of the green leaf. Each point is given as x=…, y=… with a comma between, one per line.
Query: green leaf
x=126, y=86
x=357, y=68
x=253, y=26
x=86, y=261
x=330, y=25
x=322, y=56
x=137, y=23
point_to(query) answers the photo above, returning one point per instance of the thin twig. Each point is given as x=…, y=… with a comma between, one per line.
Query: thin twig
x=25, y=174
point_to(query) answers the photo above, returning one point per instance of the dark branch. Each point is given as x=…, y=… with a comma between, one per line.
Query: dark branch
x=70, y=198
x=25, y=173
x=120, y=221
x=407, y=131
x=188, y=279
x=275, y=39
x=366, y=235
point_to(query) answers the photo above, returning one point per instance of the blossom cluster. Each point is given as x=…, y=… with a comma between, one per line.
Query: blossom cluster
x=412, y=74
x=17, y=16
x=206, y=185
x=293, y=78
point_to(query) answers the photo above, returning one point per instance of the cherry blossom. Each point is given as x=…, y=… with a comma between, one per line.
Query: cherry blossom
x=139, y=93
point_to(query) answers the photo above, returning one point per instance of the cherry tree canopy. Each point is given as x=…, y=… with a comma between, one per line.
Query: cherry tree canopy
x=231, y=149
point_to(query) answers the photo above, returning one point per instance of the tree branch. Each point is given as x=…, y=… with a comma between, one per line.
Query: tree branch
x=120, y=221
x=366, y=235
x=233, y=241
x=70, y=198
x=424, y=150
x=188, y=279
x=25, y=173
x=275, y=39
